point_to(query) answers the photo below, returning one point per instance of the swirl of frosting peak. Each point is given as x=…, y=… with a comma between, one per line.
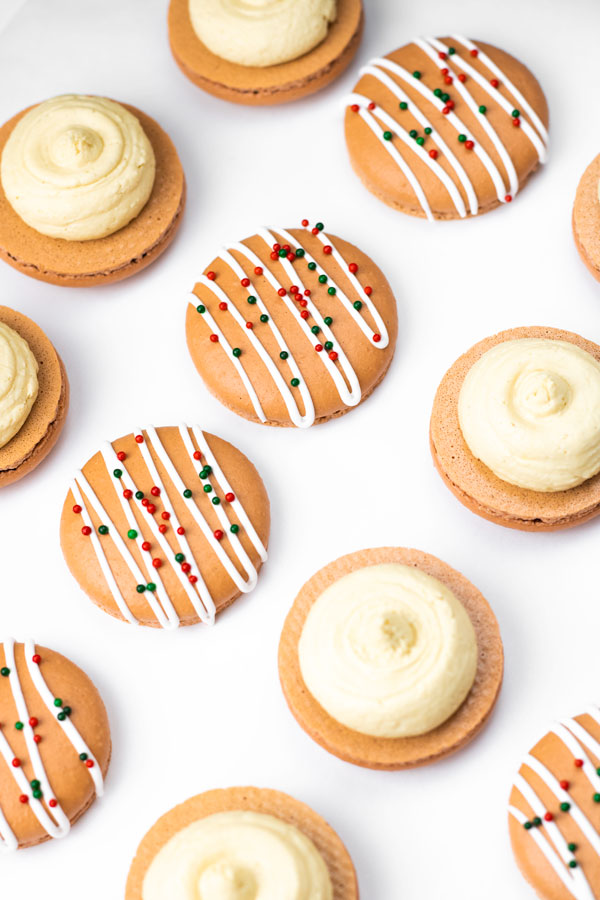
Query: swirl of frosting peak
x=18, y=382
x=388, y=651
x=238, y=855
x=77, y=167
x=261, y=32
x=529, y=409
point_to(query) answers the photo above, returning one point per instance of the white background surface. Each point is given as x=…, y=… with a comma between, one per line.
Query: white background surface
x=199, y=708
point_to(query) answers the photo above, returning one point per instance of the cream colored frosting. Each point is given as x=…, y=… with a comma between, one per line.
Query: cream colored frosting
x=530, y=410
x=78, y=167
x=238, y=855
x=388, y=651
x=18, y=382
x=261, y=32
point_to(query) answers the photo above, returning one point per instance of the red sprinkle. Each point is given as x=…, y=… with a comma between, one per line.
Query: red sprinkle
x=462, y=77
x=211, y=275
x=36, y=658
x=165, y=515
x=192, y=579
x=139, y=438
x=181, y=530
x=276, y=247
x=318, y=347
x=290, y=257
x=218, y=534
x=162, y=528
x=448, y=79
x=223, y=306
x=355, y=107
x=307, y=293
x=245, y=282
x=16, y=763
x=185, y=567
x=146, y=545
x=145, y=501
x=249, y=325
x=230, y=497
x=508, y=198
x=442, y=55
x=516, y=123
x=89, y=763
x=368, y=291
x=294, y=289
x=258, y=270
x=33, y=722
x=446, y=110
x=579, y=763
x=303, y=303
x=327, y=249
x=155, y=491
x=52, y=803
x=121, y=456
x=433, y=154
x=274, y=255
x=333, y=355
x=370, y=106
x=157, y=563
x=282, y=292
x=450, y=104
x=474, y=52
x=151, y=509
x=214, y=338
x=376, y=338
x=316, y=230
x=469, y=144
x=86, y=530
x=353, y=268
x=304, y=223
x=564, y=785
x=494, y=82
x=77, y=508
x=127, y=494
x=197, y=454
x=24, y=798
x=304, y=314
x=444, y=71
x=548, y=816
x=37, y=738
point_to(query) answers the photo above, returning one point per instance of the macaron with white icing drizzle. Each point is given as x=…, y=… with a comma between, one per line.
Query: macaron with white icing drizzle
x=34, y=395
x=55, y=744
x=515, y=429
x=91, y=190
x=554, y=810
x=446, y=128
x=166, y=526
x=292, y=327
x=261, y=52
x=241, y=844
x=390, y=659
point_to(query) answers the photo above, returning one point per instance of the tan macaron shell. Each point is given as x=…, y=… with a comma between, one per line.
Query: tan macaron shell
x=81, y=557
x=474, y=484
x=216, y=367
x=394, y=753
x=258, y=86
x=70, y=779
x=559, y=761
x=381, y=174
x=260, y=800
x=44, y=423
x=107, y=259
x=586, y=218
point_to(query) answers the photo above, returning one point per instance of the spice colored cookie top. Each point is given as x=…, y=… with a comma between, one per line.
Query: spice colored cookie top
x=390, y=659
x=536, y=391
x=264, y=51
x=586, y=217
x=166, y=526
x=244, y=843
x=446, y=128
x=34, y=395
x=103, y=220
x=292, y=327
x=54, y=744
x=554, y=811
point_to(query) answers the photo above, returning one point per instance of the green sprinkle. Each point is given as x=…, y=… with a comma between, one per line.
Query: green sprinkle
x=357, y=304
x=4, y=672
x=527, y=826
x=284, y=354
x=437, y=92
x=35, y=784
x=37, y=794
x=483, y=109
x=403, y=104
x=445, y=97
x=264, y=318
x=57, y=701
x=416, y=74
x=322, y=279
x=596, y=798
x=572, y=847
x=205, y=471
x=387, y=135
x=319, y=226
x=428, y=130
x=300, y=252
x=420, y=141
x=462, y=138
x=151, y=586
x=328, y=320
x=179, y=557
x=201, y=309
x=282, y=253
x=451, y=51
x=67, y=710
x=413, y=133
x=236, y=351
x=140, y=588
x=132, y=533
x=295, y=382
x=83, y=757
x=234, y=529
x=207, y=488
x=537, y=821
x=103, y=529
x=328, y=345
x=312, y=266
x=251, y=299
x=331, y=291
x=565, y=807
x=19, y=726
x=573, y=864
x=61, y=717
x=139, y=495
x=216, y=501
x=315, y=329
x=515, y=113
x=187, y=493
x=118, y=473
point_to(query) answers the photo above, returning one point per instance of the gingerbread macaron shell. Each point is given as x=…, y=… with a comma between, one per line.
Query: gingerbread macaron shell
x=256, y=86
x=554, y=810
x=174, y=538
x=474, y=484
x=394, y=753
x=301, y=358
x=41, y=429
x=458, y=153
x=260, y=800
x=108, y=259
x=68, y=758
x=586, y=218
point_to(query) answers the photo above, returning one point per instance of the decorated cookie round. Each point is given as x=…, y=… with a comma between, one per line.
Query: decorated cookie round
x=446, y=128
x=264, y=52
x=34, y=395
x=166, y=526
x=515, y=429
x=292, y=327
x=242, y=842
x=586, y=217
x=390, y=659
x=554, y=811
x=91, y=191
x=55, y=744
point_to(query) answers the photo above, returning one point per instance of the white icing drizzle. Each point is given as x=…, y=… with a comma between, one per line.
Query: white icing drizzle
x=56, y=823
x=198, y=593
x=431, y=47
x=344, y=376
x=575, y=737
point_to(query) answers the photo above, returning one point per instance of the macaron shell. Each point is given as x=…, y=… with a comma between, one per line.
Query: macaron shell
x=83, y=562
x=261, y=86
x=393, y=753
x=216, y=367
x=42, y=428
x=260, y=800
x=70, y=779
x=108, y=259
x=380, y=172
x=474, y=484
x=586, y=218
